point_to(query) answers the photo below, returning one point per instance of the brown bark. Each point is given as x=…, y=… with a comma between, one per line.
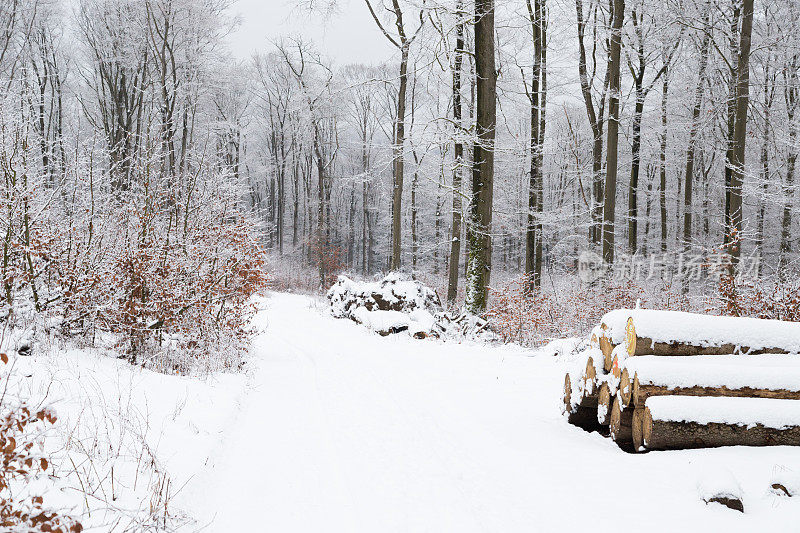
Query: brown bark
x=610, y=193
x=595, y=118
x=455, y=235
x=690, y=150
x=536, y=96
x=479, y=264
x=667, y=435
x=403, y=43
x=637, y=345
x=645, y=346
x=643, y=391
x=737, y=160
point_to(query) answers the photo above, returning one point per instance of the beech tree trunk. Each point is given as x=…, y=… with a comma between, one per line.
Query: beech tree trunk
x=690, y=150
x=480, y=223
x=458, y=163
x=737, y=159
x=791, y=95
x=536, y=95
x=610, y=192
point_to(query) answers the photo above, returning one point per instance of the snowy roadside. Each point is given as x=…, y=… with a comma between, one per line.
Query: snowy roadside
x=336, y=428
x=127, y=440
x=345, y=430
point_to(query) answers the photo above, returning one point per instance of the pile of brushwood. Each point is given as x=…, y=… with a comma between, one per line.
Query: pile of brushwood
x=398, y=303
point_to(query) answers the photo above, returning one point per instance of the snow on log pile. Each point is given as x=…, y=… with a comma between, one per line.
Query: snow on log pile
x=398, y=303
x=672, y=380
x=681, y=422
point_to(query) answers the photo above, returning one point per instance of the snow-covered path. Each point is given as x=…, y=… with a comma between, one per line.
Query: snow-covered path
x=348, y=431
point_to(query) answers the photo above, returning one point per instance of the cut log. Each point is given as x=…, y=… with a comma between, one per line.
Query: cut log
x=567, y=397
x=637, y=431
x=736, y=376
x=625, y=389
x=604, y=400
x=621, y=425
x=583, y=412
x=676, y=423
x=590, y=378
x=618, y=357
x=607, y=348
x=650, y=332
x=642, y=392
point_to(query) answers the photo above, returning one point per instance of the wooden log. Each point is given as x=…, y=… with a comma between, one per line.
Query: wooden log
x=625, y=389
x=670, y=435
x=607, y=348
x=637, y=430
x=617, y=362
x=567, y=397
x=621, y=425
x=590, y=378
x=584, y=412
x=641, y=392
x=604, y=400
x=735, y=376
x=650, y=332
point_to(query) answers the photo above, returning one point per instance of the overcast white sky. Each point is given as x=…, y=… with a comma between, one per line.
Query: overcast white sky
x=350, y=36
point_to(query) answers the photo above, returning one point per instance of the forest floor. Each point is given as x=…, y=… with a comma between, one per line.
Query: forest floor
x=343, y=430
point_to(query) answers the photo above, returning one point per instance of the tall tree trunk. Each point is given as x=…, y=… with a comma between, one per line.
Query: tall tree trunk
x=397, y=165
x=733, y=45
x=688, y=179
x=791, y=95
x=633, y=185
x=480, y=223
x=533, y=237
x=765, y=174
x=662, y=163
x=734, y=222
x=596, y=124
x=458, y=164
x=414, y=229
x=610, y=192
x=788, y=184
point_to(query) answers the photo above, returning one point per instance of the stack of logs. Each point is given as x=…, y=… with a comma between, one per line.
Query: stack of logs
x=659, y=380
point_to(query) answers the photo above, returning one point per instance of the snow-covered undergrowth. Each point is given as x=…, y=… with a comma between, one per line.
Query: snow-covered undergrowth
x=126, y=439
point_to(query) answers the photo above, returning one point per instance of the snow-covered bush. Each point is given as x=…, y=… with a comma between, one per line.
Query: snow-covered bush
x=22, y=430
x=163, y=290
x=536, y=317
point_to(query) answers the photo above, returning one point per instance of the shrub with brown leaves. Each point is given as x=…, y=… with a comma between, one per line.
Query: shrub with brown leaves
x=21, y=429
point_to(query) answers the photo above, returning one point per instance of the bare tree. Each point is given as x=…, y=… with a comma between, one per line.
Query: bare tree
x=402, y=41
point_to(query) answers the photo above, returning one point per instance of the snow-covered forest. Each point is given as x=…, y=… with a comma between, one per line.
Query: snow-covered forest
x=476, y=201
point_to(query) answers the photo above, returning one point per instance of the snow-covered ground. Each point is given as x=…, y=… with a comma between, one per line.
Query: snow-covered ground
x=335, y=428
x=344, y=430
